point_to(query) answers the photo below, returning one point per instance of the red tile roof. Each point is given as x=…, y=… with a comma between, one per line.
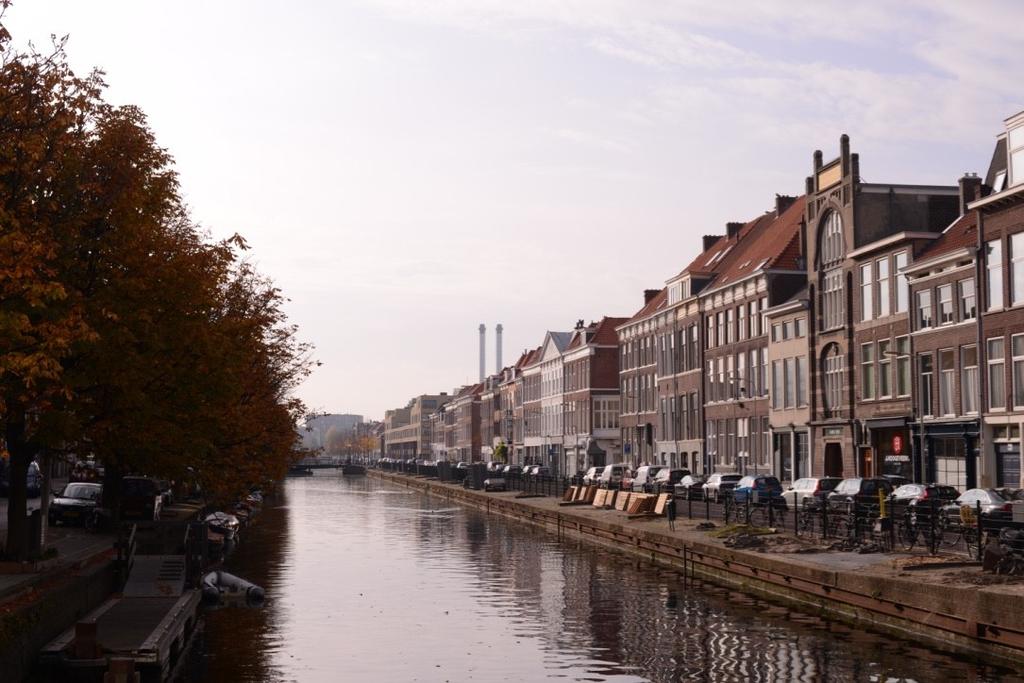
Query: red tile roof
x=769, y=241
x=605, y=334
x=656, y=303
x=962, y=233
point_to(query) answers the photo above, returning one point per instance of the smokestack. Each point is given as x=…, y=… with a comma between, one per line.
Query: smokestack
x=497, y=348
x=483, y=351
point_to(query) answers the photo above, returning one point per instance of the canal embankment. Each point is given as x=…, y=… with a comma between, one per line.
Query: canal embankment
x=946, y=608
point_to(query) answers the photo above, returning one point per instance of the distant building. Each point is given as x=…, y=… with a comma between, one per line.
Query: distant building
x=314, y=435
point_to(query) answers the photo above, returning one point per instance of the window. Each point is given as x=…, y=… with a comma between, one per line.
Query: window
x=777, y=332
x=924, y=364
x=801, y=382
x=867, y=292
x=1015, y=147
x=946, y=315
x=832, y=368
x=790, y=366
x=833, y=308
x=903, y=366
x=947, y=381
x=755, y=319
x=994, y=267
x=720, y=319
x=902, y=290
x=924, y=309
x=741, y=319
x=800, y=327
x=730, y=328
x=867, y=371
x=1017, y=347
x=832, y=246
x=996, y=374
x=884, y=369
x=1017, y=266
x=762, y=371
x=968, y=305
x=969, y=379
x=741, y=372
x=787, y=329
x=883, y=286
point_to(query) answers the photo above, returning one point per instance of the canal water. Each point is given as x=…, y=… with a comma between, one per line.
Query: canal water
x=368, y=581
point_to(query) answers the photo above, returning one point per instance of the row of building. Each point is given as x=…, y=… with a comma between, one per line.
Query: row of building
x=859, y=329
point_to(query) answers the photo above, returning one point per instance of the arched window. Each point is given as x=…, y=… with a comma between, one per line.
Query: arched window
x=832, y=371
x=833, y=249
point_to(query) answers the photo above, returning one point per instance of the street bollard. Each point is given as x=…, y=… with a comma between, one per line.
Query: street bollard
x=707, y=506
x=824, y=518
x=689, y=505
x=796, y=518
x=977, y=516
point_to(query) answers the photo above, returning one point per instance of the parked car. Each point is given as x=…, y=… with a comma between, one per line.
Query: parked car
x=140, y=498
x=541, y=471
x=643, y=479
x=937, y=495
x=811, y=489
x=495, y=483
x=994, y=506
x=76, y=503
x=690, y=486
x=762, y=488
x=512, y=470
x=666, y=479
x=592, y=475
x=719, y=484
x=859, y=490
x=611, y=476
x=462, y=465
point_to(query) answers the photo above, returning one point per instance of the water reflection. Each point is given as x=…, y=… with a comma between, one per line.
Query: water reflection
x=367, y=581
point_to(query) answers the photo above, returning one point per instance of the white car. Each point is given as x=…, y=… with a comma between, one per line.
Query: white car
x=592, y=475
x=719, y=483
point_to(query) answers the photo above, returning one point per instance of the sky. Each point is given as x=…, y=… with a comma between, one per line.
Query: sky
x=408, y=169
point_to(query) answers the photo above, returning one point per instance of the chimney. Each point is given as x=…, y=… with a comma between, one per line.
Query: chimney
x=710, y=240
x=782, y=203
x=733, y=229
x=497, y=348
x=650, y=294
x=483, y=350
x=970, y=190
x=844, y=154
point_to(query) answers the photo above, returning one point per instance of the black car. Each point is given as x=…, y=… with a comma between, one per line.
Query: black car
x=666, y=479
x=923, y=494
x=690, y=487
x=141, y=498
x=860, y=490
x=76, y=504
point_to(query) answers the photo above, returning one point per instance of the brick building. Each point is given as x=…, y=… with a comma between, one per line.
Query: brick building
x=789, y=395
x=591, y=390
x=465, y=441
x=638, y=386
x=850, y=224
x=1000, y=216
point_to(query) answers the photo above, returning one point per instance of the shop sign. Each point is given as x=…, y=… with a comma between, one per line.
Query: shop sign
x=833, y=431
x=897, y=444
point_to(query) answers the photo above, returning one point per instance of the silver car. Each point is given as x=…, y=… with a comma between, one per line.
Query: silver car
x=720, y=484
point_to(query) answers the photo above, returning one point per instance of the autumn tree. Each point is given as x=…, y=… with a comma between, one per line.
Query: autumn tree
x=44, y=113
x=125, y=331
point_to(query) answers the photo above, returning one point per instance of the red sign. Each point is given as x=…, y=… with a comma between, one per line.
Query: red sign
x=897, y=444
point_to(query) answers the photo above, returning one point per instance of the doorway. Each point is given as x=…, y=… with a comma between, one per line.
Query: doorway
x=833, y=460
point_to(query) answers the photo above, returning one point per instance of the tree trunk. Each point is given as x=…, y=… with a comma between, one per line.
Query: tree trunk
x=21, y=453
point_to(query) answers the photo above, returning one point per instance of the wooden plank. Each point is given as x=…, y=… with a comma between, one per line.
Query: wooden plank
x=569, y=493
x=609, y=501
x=591, y=492
x=599, y=499
x=622, y=501
x=659, y=508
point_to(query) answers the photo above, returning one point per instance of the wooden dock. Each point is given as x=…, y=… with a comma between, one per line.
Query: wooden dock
x=147, y=627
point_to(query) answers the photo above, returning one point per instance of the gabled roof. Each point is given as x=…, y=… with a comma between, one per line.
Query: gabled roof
x=556, y=340
x=604, y=333
x=656, y=304
x=963, y=232
x=770, y=242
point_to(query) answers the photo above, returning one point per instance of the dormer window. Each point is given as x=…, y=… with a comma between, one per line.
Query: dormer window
x=1015, y=147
